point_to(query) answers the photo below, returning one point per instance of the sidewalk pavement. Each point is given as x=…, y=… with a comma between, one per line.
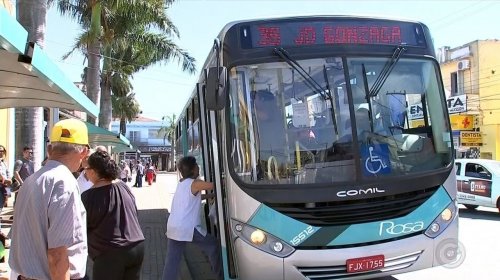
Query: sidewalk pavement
x=153, y=203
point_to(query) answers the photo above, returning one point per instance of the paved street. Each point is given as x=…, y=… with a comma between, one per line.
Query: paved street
x=154, y=203
x=479, y=233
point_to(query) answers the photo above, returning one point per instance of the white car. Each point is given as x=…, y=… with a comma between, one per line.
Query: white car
x=478, y=182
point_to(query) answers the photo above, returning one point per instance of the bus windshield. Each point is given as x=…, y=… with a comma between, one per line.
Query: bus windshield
x=287, y=129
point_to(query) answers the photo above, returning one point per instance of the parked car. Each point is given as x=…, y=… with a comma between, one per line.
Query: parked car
x=478, y=182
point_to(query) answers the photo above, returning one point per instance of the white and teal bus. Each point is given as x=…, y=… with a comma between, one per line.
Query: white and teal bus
x=304, y=126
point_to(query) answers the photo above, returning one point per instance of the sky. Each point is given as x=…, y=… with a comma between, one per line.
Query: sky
x=163, y=89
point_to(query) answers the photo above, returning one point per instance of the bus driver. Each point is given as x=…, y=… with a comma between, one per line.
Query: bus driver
x=271, y=141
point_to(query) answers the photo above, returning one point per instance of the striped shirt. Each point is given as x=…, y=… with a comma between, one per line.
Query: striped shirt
x=49, y=214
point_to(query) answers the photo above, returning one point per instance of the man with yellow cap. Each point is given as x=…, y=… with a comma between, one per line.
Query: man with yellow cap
x=49, y=234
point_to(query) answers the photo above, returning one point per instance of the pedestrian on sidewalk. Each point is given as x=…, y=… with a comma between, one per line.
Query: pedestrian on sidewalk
x=125, y=173
x=140, y=174
x=115, y=238
x=84, y=183
x=49, y=235
x=5, y=178
x=5, y=182
x=184, y=223
x=23, y=168
x=150, y=173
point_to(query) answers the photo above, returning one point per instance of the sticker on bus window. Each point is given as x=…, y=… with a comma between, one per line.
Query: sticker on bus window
x=446, y=137
x=300, y=114
x=375, y=159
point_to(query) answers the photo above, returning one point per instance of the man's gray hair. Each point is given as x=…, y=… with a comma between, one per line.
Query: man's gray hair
x=66, y=148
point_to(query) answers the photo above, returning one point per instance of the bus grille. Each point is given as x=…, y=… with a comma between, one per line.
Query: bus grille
x=355, y=211
x=340, y=271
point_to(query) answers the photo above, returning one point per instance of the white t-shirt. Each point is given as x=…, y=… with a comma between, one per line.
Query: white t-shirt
x=83, y=183
x=185, y=213
x=125, y=173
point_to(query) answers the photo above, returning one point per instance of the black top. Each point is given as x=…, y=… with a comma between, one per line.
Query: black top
x=111, y=218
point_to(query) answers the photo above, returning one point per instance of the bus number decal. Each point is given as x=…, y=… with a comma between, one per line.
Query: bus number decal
x=302, y=236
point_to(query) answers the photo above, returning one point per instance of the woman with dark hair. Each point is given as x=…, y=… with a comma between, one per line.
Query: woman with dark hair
x=5, y=177
x=115, y=238
x=184, y=223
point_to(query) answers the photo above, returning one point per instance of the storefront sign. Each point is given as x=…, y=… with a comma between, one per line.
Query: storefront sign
x=456, y=139
x=470, y=139
x=155, y=149
x=458, y=122
x=462, y=122
x=417, y=123
x=455, y=104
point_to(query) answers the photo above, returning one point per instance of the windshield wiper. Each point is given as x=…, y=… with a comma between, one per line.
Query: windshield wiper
x=328, y=88
x=310, y=81
x=386, y=71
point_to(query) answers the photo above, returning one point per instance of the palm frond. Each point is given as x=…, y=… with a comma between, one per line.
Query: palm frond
x=80, y=43
x=158, y=48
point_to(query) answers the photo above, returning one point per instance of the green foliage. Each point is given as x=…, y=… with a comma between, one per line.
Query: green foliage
x=126, y=108
x=133, y=34
x=168, y=131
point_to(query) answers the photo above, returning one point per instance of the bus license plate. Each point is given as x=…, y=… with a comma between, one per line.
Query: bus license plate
x=365, y=263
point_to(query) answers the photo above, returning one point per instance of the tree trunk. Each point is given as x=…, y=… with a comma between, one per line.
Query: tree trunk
x=94, y=75
x=29, y=121
x=172, y=155
x=123, y=126
x=106, y=110
x=94, y=57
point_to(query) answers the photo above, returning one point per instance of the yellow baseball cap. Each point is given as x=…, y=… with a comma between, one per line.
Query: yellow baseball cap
x=70, y=131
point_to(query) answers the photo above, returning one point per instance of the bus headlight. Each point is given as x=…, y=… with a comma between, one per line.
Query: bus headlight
x=261, y=240
x=442, y=221
x=258, y=237
x=446, y=215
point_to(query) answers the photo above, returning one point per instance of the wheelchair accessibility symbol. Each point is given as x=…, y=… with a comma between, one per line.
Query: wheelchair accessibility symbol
x=375, y=159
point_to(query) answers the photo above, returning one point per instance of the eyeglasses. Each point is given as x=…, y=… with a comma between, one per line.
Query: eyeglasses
x=2, y=151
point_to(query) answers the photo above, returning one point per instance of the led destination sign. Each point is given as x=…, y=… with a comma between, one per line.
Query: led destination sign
x=355, y=32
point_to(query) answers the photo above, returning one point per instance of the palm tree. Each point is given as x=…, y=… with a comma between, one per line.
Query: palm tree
x=125, y=108
x=168, y=132
x=89, y=14
x=130, y=22
x=29, y=121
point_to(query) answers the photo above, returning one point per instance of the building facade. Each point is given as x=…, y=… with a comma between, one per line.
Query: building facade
x=144, y=137
x=471, y=77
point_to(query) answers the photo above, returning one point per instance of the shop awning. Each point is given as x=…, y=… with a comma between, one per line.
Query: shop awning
x=28, y=78
x=101, y=136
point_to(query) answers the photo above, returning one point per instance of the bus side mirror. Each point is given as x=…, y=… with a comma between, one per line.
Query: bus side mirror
x=215, y=96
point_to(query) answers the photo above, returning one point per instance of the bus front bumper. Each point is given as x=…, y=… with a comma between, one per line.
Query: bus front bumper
x=401, y=256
